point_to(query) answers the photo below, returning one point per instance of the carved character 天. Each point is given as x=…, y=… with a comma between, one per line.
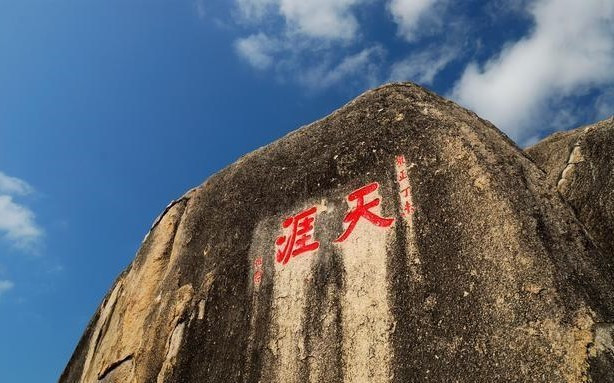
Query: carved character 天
x=363, y=210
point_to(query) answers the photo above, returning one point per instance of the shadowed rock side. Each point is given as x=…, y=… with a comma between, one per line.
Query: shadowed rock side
x=580, y=166
x=462, y=266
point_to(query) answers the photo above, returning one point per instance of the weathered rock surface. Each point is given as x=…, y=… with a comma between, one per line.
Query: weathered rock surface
x=580, y=165
x=465, y=266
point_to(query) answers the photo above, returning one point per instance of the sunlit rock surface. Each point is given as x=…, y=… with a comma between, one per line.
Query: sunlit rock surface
x=400, y=239
x=580, y=165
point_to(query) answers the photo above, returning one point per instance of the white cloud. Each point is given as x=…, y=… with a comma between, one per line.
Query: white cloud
x=14, y=186
x=422, y=67
x=257, y=49
x=569, y=51
x=363, y=63
x=254, y=10
x=330, y=19
x=326, y=19
x=312, y=43
x=17, y=222
x=5, y=286
x=408, y=15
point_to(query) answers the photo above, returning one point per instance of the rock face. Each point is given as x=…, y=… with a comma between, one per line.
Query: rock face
x=580, y=165
x=400, y=239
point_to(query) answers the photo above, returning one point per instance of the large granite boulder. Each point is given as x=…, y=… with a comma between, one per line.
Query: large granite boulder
x=580, y=165
x=400, y=239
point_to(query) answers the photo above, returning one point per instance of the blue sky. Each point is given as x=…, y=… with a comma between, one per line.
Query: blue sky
x=110, y=109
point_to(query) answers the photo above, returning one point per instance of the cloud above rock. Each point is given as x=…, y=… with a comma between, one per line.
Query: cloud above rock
x=527, y=82
x=17, y=222
x=569, y=51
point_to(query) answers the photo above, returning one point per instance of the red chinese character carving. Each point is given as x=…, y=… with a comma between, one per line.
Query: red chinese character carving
x=402, y=175
x=257, y=277
x=300, y=238
x=362, y=209
x=406, y=191
x=258, y=270
x=400, y=160
x=408, y=208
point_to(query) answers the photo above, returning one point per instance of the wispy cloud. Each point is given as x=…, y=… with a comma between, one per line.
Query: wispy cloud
x=17, y=222
x=13, y=185
x=569, y=52
x=410, y=16
x=326, y=19
x=258, y=49
x=330, y=19
x=496, y=8
x=547, y=53
x=319, y=43
x=366, y=63
x=201, y=10
x=423, y=66
x=255, y=10
x=5, y=286
x=307, y=42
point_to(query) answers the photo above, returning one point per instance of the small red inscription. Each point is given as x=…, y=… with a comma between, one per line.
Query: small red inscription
x=407, y=207
x=300, y=238
x=406, y=191
x=258, y=277
x=258, y=270
x=402, y=175
x=362, y=210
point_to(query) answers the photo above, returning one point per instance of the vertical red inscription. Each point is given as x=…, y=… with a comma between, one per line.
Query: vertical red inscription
x=362, y=210
x=257, y=277
x=258, y=270
x=402, y=175
x=405, y=192
x=299, y=240
x=407, y=208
